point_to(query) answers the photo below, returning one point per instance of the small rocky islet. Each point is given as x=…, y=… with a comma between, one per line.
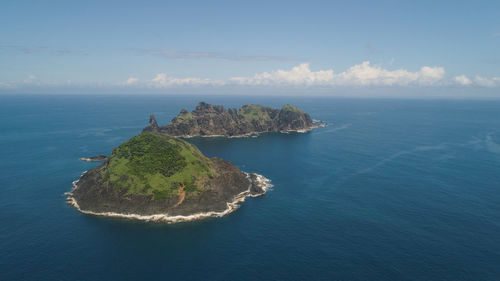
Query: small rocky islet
x=158, y=176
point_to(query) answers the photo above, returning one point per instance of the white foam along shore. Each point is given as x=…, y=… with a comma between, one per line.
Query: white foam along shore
x=99, y=158
x=262, y=181
x=231, y=206
x=316, y=124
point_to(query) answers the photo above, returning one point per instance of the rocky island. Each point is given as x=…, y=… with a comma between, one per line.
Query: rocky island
x=161, y=178
x=214, y=120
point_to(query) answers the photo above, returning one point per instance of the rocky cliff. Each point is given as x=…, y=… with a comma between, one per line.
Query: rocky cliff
x=152, y=126
x=215, y=120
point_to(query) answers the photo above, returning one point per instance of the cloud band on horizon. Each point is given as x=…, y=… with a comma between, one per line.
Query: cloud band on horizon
x=360, y=75
x=363, y=74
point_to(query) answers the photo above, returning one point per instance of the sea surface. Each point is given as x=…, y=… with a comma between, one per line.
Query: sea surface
x=389, y=190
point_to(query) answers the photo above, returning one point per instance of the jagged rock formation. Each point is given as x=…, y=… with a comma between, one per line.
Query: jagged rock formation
x=152, y=126
x=215, y=120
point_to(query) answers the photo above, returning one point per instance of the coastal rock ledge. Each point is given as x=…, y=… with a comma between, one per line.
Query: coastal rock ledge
x=214, y=120
x=154, y=177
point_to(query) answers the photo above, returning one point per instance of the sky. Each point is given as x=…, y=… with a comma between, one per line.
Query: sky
x=337, y=48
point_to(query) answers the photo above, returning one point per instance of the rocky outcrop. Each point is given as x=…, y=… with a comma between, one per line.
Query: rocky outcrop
x=215, y=120
x=152, y=126
x=97, y=158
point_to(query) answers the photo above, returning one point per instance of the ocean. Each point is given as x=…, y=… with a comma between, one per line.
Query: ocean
x=389, y=190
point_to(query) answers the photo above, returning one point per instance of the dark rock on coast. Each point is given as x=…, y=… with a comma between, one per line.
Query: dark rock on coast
x=97, y=158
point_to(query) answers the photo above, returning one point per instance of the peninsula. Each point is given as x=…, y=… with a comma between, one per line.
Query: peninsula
x=161, y=178
x=214, y=120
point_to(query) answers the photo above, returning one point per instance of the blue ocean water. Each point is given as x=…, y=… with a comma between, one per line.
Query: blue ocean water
x=390, y=190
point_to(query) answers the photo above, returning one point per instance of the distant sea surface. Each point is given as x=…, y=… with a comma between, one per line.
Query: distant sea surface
x=389, y=190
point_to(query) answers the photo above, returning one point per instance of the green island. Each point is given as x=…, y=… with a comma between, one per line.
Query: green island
x=157, y=177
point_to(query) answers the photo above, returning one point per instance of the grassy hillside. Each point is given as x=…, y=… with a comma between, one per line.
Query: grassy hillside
x=184, y=117
x=288, y=107
x=154, y=164
x=254, y=112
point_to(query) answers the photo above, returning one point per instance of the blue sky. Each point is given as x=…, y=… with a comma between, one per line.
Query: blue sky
x=324, y=47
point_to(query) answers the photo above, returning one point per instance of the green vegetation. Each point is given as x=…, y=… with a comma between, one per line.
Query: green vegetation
x=288, y=107
x=255, y=112
x=184, y=117
x=154, y=164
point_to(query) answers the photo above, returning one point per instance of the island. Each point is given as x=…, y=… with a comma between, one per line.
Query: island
x=214, y=120
x=156, y=177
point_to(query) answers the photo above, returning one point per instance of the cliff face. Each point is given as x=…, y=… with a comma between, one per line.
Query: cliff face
x=152, y=126
x=214, y=120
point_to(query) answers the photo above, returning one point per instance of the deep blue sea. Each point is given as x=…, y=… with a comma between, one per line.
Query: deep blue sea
x=389, y=190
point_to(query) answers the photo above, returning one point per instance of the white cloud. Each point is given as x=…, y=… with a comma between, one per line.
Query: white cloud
x=161, y=80
x=487, y=82
x=364, y=74
x=462, y=80
x=6, y=85
x=298, y=75
x=477, y=81
x=32, y=79
x=431, y=75
x=131, y=81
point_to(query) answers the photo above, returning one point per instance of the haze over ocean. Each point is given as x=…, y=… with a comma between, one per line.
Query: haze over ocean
x=389, y=190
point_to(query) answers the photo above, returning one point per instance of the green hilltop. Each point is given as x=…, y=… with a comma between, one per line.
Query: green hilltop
x=254, y=112
x=158, y=165
x=292, y=108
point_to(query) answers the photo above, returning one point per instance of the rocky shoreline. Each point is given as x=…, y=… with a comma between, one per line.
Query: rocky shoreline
x=258, y=186
x=316, y=124
x=97, y=158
